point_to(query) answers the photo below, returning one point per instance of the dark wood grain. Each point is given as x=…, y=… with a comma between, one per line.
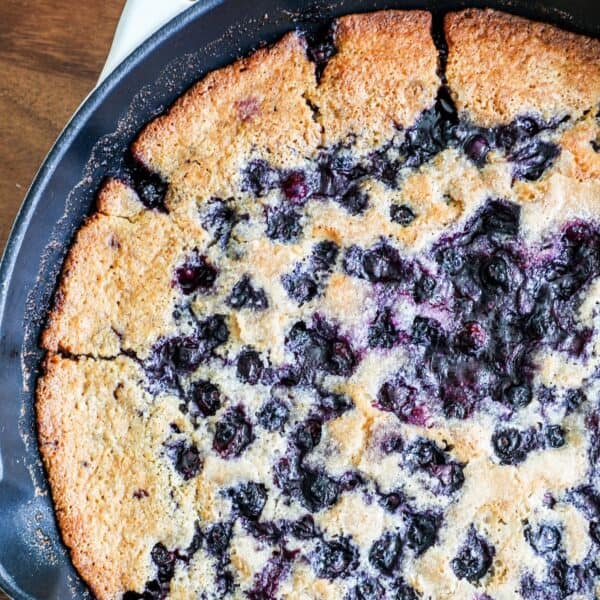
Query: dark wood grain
x=51, y=54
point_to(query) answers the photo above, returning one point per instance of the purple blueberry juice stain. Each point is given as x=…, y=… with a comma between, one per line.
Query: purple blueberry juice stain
x=267, y=581
x=504, y=302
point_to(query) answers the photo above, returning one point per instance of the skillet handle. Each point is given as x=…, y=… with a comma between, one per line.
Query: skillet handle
x=140, y=19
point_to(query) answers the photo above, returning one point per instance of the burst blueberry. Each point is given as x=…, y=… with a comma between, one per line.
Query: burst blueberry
x=249, y=499
x=273, y=415
x=233, y=434
x=385, y=552
x=250, y=366
x=333, y=559
x=382, y=331
x=195, y=274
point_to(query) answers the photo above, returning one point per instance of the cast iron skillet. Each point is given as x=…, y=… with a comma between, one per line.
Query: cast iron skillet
x=33, y=562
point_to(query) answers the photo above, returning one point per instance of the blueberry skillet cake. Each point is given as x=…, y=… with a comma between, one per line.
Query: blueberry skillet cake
x=334, y=332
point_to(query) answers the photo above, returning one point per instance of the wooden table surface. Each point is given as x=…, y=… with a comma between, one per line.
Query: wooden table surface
x=51, y=54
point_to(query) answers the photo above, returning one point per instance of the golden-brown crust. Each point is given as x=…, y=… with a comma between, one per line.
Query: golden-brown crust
x=81, y=438
x=256, y=102
x=114, y=271
x=501, y=66
x=383, y=75
x=116, y=198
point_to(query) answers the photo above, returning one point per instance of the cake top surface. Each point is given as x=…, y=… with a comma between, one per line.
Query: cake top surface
x=333, y=332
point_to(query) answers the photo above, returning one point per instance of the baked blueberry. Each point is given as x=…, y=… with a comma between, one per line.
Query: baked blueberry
x=382, y=331
x=187, y=460
x=367, y=588
x=301, y=287
x=172, y=357
x=283, y=224
x=308, y=435
x=249, y=366
x=354, y=200
x=402, y=591
x=543, y=538
x=474, y=557
x=533, y=158
x=321, y=48
x=273, y=415
x=512, y=446
x=259, y=178
x=318, y=490
x=555, y=436
x=427, y=332
x=379, y=264
x=334, y=558
x=424, y=455
x=574, y=399
x=587, y=500
x=333, y=405
x=392, y=502
x=385, y=552
x=219, y=217
x=307, y=279
x=195, y=274
x=218, y=537
x=249, y=499
x=245, y=295
x=518, y=395
x=295, y=186
x=421, y=531
x=303, y=529
x=402, y=214
x=321, y=348
x=424, y=288
x=150, y=187
x=204, y=398
x=233, y=434
x=164, y=561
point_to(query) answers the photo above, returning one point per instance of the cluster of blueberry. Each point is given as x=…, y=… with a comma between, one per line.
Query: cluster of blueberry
x=505, y=303
x=562, y=579
x=485, y=302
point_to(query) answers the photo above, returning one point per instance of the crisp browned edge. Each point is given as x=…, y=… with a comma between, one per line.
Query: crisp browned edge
x=152, y=134
x=47, y=443
x=459, y=24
